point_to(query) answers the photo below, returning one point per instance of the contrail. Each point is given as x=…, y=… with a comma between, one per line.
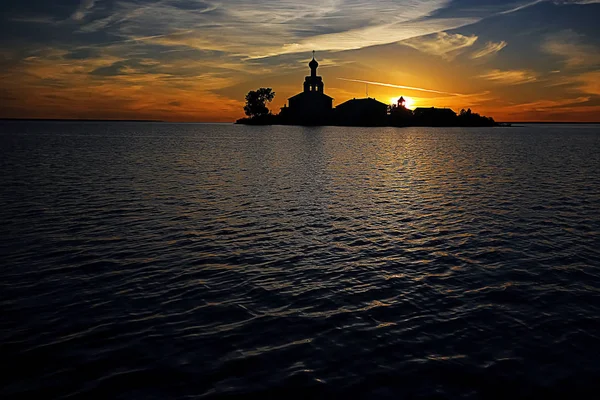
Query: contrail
x=400, y=86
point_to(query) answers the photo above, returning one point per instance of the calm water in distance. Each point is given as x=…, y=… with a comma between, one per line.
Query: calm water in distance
x=148, y=260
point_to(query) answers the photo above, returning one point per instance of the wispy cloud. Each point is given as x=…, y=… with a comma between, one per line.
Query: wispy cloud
x=543, y=105
x=446, y=45
x=522, y=7
x=400, y=86
x=590, y=82
x=268, y=28
x=129, y=89
x=489, y=49
x=375, y=35
x=585, y=83
x=84, y=8
x=510, y=77
x=576, y=1
x=572, y=47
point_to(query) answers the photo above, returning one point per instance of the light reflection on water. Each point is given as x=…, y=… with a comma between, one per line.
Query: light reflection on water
x=168, y=260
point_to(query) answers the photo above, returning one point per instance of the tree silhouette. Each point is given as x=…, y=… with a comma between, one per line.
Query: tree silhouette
x=256, y=102
x=469, y=118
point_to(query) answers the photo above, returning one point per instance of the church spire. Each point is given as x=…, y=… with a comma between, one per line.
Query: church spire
x=313, y=64
x=313, y=83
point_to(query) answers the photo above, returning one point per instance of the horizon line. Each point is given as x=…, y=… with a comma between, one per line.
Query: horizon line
x=233, y=122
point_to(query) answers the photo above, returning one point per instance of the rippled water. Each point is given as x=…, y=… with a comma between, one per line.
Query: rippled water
x=165, y=261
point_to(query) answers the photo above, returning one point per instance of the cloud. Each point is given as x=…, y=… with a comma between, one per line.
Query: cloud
x=542, y=105
x=587, y=83
x=446, y=45
x=115, y=69
x=271, y=27
x=44, y=20
x=521, y=7
x=489, y=49
x=510, y=77
x=571, y=47
x=590, y=82
x=81, y=53
x=384, y=34
x=576, y=1
x=400, y=86
x=53, y=86
x=84, y=8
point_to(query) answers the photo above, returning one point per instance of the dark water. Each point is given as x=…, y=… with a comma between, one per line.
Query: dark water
x=181, y=261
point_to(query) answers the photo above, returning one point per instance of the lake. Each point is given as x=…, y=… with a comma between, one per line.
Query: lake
x=155, y=260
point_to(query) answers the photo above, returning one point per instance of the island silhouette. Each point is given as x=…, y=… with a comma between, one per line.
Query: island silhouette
x=312, y=107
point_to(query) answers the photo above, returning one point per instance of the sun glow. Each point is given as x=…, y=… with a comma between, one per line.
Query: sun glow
x=409, y=102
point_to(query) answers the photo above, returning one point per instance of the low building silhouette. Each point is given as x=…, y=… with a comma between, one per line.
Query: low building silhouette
x=312, y=106
x=361, y=112
x=434, y=116
x=400, y=115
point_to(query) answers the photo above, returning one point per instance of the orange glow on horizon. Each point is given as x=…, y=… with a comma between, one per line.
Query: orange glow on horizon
x=409, y=102
x=94, y=88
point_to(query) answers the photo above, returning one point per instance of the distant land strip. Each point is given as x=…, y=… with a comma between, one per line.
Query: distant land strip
x=209, y=122
x=78, y=120
x=553, y=122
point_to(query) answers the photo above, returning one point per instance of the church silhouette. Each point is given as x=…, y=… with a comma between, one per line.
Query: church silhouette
x=312, y=106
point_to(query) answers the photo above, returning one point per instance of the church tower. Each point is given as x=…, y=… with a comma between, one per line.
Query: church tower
x=313, y=83
x=311, y=106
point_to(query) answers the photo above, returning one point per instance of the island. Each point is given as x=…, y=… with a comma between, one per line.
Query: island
x=312, y=107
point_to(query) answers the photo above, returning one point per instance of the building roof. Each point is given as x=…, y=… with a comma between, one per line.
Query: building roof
x=363, y=102
x=302, y=94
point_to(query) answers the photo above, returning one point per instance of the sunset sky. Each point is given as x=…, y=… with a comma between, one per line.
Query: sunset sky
x=187, y=60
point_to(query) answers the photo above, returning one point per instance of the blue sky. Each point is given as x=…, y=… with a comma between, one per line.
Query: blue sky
x=194, y=60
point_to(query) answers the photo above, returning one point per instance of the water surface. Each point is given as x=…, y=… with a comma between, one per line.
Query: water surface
x=147, y=260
